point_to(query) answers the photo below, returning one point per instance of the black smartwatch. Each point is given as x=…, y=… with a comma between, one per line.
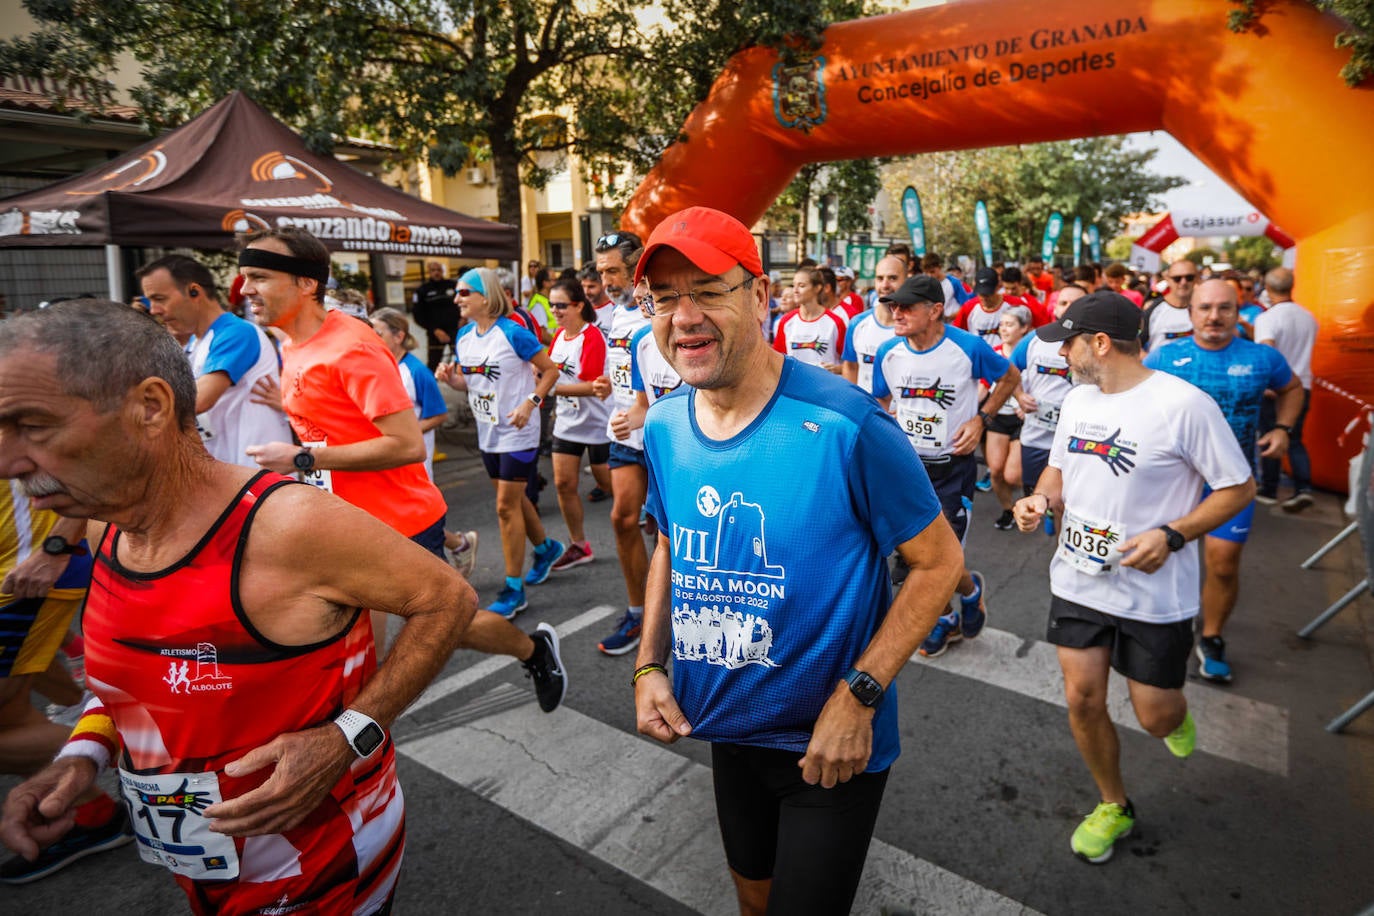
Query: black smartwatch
x=986, y=418
x=58, y=546
x=1176, y=540
x=1287, y=429
x=362, y=733
x=304, y=460
x=865, y=689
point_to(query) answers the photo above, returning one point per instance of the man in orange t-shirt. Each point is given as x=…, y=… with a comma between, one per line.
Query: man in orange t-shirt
x=343, y=394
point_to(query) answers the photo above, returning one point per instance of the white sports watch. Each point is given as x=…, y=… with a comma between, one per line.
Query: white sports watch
x=361, y=733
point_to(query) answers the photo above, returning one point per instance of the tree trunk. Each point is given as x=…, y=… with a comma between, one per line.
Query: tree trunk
x=505, y=162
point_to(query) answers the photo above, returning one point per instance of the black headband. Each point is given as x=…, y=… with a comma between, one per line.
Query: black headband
x=288, y=264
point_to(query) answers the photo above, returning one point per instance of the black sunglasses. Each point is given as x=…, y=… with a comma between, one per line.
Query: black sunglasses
x=1183, y=278
x=626, y=241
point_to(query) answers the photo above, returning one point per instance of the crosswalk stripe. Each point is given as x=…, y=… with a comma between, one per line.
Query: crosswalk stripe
x=638, y=806
x=492, y=664
x=1231, y=726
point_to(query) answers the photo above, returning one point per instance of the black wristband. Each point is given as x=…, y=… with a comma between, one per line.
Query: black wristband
x=1284, y=427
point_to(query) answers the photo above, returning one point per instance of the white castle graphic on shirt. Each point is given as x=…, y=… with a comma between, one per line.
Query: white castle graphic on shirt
x=208, y=676
x=721, y=636
x=740, y=540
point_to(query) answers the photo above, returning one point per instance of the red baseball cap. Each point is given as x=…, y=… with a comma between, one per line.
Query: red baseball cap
x=710, y=239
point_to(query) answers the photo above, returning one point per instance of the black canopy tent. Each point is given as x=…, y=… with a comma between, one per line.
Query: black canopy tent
x=233, y=169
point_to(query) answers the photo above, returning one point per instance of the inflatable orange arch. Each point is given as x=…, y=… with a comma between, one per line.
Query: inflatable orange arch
x=1267, y=112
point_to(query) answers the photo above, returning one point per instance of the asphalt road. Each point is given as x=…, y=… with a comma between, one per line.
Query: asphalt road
x=512, y=811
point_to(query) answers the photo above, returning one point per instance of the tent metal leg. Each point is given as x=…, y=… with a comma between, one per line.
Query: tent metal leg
x=114, y=269
x=1330, y=545
x=1326, y=615
x=1339, y=723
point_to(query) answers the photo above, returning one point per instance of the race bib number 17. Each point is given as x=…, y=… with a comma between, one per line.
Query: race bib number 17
x=171, y=827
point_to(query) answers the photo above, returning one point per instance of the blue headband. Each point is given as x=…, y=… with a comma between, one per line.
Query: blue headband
x=473, y=280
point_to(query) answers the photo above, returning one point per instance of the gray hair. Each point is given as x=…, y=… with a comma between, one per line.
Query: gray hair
x=104, y=349
x=1279, y=280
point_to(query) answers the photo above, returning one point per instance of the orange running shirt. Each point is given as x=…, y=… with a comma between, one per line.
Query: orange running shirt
x=334, y=385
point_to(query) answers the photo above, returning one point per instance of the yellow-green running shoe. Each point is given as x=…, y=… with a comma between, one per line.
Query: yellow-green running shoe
x=1183, y=739
x=1094, y=838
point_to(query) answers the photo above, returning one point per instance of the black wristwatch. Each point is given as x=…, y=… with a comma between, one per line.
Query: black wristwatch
x=1176, y=540
x=865, y=689
x=985, y=417
x=304, y=460
x=1287, y=429
x=57, y=546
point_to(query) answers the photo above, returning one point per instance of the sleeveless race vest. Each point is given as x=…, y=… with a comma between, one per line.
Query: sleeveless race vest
x=191, y=686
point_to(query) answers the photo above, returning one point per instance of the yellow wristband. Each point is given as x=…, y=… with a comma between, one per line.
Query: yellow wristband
x=646, y=669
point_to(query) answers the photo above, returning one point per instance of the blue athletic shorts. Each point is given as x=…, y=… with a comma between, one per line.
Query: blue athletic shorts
x=1236, y=530
x=623, y=455
x=521, y=465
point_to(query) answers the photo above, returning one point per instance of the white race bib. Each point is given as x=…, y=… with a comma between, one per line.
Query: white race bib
x=568, y=407
x=620, y=375
x=1090, y=545
x=1046, y=416
x=923, y=424
x=171, y=827
x=207, y=432
x=483, y=406
x=318, y=477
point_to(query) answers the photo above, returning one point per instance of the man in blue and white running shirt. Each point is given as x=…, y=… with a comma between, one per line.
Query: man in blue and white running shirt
x=928, y=377
x=228, y=357
x=1046, y=380
x=783, y=665
x=872, y=328
x=616, y=256
x=1236, y=373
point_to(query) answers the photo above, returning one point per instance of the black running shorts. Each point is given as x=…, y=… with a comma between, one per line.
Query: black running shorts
x=1150, y=653
x=810, y=841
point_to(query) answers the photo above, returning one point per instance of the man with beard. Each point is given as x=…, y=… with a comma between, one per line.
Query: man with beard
x=871, y=329
x=1131, y=455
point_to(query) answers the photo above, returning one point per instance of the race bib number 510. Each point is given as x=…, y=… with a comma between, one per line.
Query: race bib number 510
x=171, y=827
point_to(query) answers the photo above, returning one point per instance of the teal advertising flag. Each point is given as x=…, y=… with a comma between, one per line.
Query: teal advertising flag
x=1077, y=240
x=1053, y=226
x=980, y=219
x=1095, y=243
x=915, y=223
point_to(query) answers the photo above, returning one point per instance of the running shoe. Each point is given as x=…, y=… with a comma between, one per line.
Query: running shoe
x=545, y=668
x=946, y=631
x=1211, y=655
x=1006, y=521
x=598, y=495
x=1094, y=839
x=78, y=843
x=464, y=558
x=545, y=555
x=625, y=637
x=1183, y=739
x=1267, y=497
x=973, y=610
x=984, y=483
x=510, y=602
x=575, y=555
x=1297, y=502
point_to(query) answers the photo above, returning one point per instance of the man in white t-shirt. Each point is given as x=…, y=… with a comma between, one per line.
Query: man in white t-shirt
x=1169, y=319
x=1292, y=330
x=228, y=357
x=1132, y=452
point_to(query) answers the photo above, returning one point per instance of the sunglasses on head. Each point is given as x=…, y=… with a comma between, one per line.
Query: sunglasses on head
x=624, y=240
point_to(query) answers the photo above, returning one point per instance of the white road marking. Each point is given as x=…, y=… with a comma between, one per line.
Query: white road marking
x=1231, y=726
x=492, y=664
x=639, y=807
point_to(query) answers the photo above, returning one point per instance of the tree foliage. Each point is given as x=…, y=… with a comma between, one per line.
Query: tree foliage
x=1358, y=37
x=518, y=83
x=1253, y=253
x=850, y=187
x=1100, y=179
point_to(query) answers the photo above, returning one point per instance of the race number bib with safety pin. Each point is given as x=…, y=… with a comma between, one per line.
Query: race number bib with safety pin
x=620, y=376
x=207, y=432
x=318, y=477
x=924, y=424
x=1090, y=545
x=1046, y=417
x=567, y=407
x=483, y=407
x=171, y=827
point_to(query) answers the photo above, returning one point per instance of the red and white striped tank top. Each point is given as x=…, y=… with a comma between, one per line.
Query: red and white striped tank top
x=191, y=686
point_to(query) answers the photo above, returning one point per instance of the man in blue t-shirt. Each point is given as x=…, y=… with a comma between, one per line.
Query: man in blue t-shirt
x=1236, y=373
x=782, y=656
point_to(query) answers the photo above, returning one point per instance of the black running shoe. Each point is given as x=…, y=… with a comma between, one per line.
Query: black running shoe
x=1005, y=522
x=545, y=668
x=78, y=843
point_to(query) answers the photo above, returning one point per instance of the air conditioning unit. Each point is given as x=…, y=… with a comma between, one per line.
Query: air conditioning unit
x=477, y=176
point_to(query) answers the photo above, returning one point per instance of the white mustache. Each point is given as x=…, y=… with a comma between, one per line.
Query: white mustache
x=39, y=484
